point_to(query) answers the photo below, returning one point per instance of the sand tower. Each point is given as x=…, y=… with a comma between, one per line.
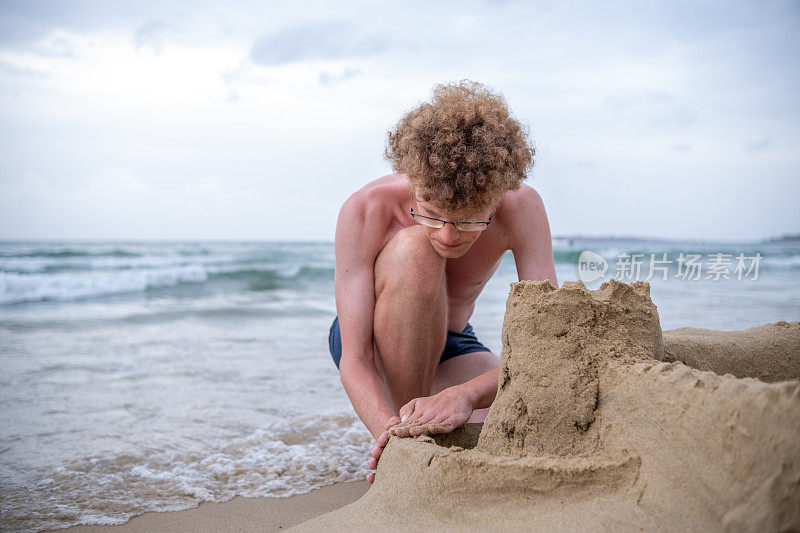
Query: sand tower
x=555, y=344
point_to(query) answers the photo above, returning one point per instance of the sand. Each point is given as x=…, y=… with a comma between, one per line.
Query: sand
x=767, y=352
x=601, y=422
x=241, y=515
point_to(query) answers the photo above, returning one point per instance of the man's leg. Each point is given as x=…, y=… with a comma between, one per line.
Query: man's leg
x=410, y=320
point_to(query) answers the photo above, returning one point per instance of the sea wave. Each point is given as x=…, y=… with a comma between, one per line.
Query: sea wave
x=279, y=460
x=39, y=264
x=68, y=253
x=18, y=288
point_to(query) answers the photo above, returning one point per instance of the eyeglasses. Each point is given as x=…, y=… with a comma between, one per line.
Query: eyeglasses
x=439, y=223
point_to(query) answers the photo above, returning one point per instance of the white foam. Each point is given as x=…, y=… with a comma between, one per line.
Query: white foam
x=64, y=286
x=279, y=460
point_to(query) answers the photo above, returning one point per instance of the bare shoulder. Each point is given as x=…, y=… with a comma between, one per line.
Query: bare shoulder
x=522, y=212
x=366, y=217
x=529, y=235
x=522, y=200
x=377, y=193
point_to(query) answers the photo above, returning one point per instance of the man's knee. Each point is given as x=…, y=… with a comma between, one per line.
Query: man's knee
x=410, y=257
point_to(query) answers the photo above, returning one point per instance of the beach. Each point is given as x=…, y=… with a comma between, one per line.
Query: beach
x=598, y=424
x=243, y=515
x=194, y=195
x=149, y=381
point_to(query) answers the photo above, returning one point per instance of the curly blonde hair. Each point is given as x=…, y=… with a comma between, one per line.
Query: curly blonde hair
x=462, y=150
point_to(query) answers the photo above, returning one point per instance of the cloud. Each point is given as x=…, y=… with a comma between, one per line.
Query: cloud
x=661, y=110
x=23, y=23
x=327, y=78
x=316, y=40
x=759, y=145
x=10, y=71
x=610, y=92
x=644, y=99
x=62, y=47
x=682, y=147
x=678, y=117
x=151, y=35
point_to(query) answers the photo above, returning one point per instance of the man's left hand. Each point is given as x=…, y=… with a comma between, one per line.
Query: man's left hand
x=440, y=413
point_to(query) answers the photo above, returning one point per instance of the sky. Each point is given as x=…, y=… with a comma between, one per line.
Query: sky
x=257, y=120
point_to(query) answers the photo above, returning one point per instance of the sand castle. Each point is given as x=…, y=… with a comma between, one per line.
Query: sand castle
x=594, y=428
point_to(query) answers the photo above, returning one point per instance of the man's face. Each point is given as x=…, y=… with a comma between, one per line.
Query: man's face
x=460, y=241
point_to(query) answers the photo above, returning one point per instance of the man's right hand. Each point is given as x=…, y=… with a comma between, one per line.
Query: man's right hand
x=380, y=444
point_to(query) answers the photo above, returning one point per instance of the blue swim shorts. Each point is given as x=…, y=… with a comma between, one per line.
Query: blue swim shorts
x=456, y=344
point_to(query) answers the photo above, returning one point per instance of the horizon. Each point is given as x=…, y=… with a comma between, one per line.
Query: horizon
x=773, y=238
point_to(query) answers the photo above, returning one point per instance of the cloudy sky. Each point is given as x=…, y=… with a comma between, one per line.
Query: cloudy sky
x=253, y=120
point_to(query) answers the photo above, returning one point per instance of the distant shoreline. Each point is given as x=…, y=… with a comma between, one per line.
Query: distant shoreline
x=786, y=237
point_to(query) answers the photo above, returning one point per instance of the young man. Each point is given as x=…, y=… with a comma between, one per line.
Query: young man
x=413, y=252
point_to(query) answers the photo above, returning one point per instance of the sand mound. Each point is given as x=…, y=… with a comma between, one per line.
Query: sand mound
x=589, y=430
x=770, y=352
x=555, y=344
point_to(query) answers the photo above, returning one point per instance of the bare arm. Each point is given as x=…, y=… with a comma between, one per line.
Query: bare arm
x=531, y=242
x=357, y=245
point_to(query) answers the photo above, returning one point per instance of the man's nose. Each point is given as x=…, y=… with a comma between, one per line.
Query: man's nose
x=449, y=234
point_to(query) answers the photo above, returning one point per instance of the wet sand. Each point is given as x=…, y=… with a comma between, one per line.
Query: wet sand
x=241, y=515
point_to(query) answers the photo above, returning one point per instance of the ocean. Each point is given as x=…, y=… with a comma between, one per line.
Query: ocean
x=152, y=376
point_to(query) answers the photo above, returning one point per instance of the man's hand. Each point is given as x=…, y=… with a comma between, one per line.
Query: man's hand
x=440, y=413
x=380, y=444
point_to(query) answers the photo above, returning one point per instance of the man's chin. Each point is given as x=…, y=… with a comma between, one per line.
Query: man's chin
x=448, y=252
